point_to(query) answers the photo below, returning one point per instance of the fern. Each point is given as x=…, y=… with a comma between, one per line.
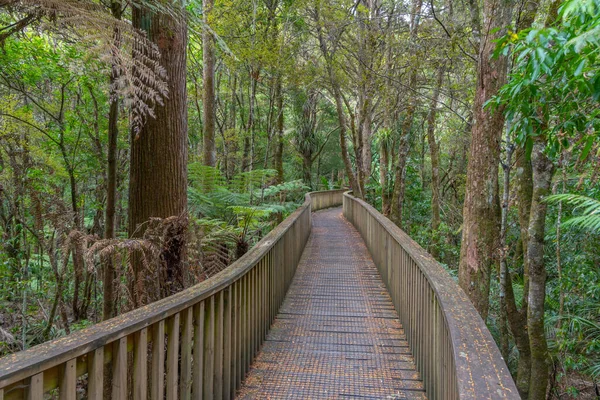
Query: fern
x=588, y=207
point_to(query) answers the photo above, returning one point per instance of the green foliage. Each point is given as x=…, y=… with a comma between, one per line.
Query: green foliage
x=555, y=83
x=243, y=209
x=588, y=208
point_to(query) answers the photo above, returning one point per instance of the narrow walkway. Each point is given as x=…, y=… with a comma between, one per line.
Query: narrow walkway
x=337, y=335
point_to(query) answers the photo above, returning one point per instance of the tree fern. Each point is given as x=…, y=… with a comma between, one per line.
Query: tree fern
x=588, y=208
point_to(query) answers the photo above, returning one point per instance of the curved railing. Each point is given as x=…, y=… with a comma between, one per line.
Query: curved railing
x=196, y=344
x=453, y=349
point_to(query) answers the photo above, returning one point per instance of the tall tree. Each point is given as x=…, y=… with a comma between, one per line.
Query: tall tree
x=434, y=153
x=481, y=210
x=158, y=164
x=108, y=277
x=397, y=206
x=208, y=98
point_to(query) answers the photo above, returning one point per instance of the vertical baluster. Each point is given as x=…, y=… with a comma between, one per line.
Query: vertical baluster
x=158, y=361
x=261, y=293
x=119, y=378
x=242, y=341
x=68, y=380
x=185, y=381
x=237, y=352
x=172, y=357
x=218, y=375
x=198, y=374
x=36, y=387
x=95, y=390
x=140, y=365
x=209, y=348
x=244, y=329
x=226, y=340
x=252, y=313
x=235, y=316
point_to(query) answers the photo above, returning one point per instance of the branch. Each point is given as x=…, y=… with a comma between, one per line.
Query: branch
x=31, y=125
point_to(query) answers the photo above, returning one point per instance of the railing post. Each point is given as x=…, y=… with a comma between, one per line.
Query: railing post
x=185, y=380
x=96, y=374
x=158, y=361
x=198, y=352
x=140, y=365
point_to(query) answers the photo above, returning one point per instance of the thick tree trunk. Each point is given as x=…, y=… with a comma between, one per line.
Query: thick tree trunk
x=481, y=210
x=158, y=166
x=434, y=152
x=517, y=318
x=543, y=169
x=208, y=96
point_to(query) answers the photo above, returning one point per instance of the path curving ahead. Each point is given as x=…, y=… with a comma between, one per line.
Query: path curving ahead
x=337, y=335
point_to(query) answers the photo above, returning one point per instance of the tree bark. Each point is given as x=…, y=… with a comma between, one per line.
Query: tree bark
x=543, y=170
x=481, y=210
x=208, y=96
x=158, y=164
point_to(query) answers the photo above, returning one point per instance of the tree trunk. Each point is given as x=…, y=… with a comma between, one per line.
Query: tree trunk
x=435, y=165
x=339, y=106
x=481, y=210
x=208, y=95
x=344, y=148
x=383, y=171
x=158, y=166
x=108, y=277
x=543, y=169
x=404, y=148
x=279, y=139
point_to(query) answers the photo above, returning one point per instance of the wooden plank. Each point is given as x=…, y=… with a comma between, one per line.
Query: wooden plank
x=198, y=373
x=36, y=387
x=209, y=348
x=185, y=380
x=95, y=389
x=140, y=365
x=119, y=378
x=157, y=387
x=172, y=358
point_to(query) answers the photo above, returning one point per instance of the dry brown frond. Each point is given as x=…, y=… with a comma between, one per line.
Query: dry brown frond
x=142, y=81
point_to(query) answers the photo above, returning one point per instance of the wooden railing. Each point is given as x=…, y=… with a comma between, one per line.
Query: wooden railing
x=453, y=349
x=196, y=344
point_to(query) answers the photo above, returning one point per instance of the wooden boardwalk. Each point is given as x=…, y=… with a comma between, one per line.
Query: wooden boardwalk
x=337, y=335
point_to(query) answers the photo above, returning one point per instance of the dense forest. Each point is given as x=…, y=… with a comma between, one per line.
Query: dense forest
x=146, y=145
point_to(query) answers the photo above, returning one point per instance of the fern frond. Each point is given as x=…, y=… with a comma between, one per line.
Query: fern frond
x=587, y=206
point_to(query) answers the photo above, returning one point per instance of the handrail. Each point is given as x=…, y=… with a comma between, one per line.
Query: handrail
x=453, y=349
x=206, y=335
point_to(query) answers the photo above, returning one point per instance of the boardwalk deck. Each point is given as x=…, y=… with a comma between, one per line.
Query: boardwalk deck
x=337, y=335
